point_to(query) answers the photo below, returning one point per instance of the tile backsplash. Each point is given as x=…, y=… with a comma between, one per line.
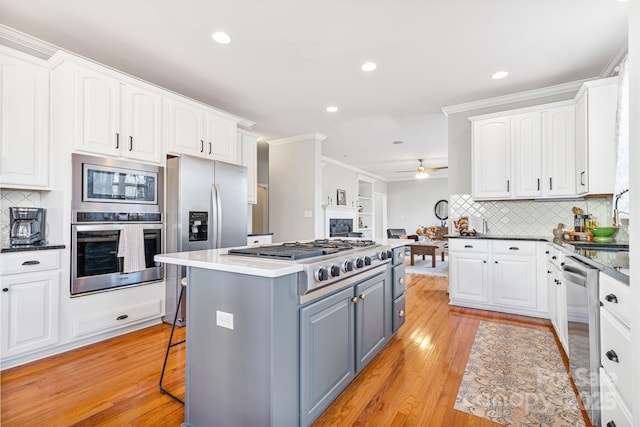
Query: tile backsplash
x=532, y=218
x=13, y=198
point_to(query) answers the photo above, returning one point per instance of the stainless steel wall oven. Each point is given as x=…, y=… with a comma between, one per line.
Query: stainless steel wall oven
x=110, y=195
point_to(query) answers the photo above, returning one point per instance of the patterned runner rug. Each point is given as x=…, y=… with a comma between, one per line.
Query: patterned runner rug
x=515, y=377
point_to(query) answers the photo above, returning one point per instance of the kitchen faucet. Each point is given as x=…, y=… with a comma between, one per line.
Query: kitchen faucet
x=616, y=220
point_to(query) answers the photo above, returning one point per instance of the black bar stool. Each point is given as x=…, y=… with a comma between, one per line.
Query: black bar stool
x=170, y=344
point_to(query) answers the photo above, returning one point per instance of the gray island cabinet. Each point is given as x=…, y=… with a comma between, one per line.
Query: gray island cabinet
x=257, y=356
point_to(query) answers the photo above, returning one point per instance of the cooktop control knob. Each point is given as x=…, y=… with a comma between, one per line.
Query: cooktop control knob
x=389, y=254
x=383, y=255
x=367, y=260
x=347, y=266
x=334, y=270
x=321, y=274
x=359, y=263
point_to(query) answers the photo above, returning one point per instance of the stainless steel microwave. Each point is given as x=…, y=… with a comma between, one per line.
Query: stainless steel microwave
x=114, y=185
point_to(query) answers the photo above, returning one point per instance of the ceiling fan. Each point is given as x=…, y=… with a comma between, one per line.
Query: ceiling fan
x=423, y=172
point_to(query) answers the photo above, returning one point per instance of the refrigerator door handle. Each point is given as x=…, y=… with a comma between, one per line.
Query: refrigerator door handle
x=216, y=209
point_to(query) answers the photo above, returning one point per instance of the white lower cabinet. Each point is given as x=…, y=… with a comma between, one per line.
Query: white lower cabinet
x=557, y=302
x=615, y=353
x=494, y=275
x=262, y=239
x=30, y=302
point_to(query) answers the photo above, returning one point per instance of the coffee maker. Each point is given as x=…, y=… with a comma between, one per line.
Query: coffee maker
x=27, y=226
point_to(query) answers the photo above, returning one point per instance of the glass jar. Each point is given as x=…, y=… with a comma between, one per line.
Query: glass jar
x=579, y=223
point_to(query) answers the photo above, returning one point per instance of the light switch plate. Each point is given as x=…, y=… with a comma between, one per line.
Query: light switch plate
x=308, y=214
x=224, y=320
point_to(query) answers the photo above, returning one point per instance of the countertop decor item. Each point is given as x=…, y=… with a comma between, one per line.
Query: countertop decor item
x=603, y=234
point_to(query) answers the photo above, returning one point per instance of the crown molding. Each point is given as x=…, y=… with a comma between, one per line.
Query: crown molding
x=42, y=48
x=361, y=172
x=611, y=69
x=298, y=138
x=515, y=97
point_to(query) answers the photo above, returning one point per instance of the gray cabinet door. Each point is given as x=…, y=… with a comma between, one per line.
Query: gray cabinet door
x=327, y=360
x=398, y=280
x=370, y=319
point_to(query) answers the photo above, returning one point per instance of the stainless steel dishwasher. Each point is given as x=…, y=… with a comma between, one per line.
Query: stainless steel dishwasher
x=583, y=315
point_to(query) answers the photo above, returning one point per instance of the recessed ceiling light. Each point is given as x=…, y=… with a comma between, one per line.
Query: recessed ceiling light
x=332, y=109
x=368, y=66
x=622, y=1
x=500, y=75
x=398, y=142
x=221, y=37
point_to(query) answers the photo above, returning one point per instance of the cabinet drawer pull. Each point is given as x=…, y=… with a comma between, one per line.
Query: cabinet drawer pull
x=5, y=289
x=550, y=183
x=130, y=143
x=124, y=316
x=256, y=241
x=401, y=313
x=32, y=262
x=538, y=184
x=468, y=246
x=514, y=248
x=507, y=186
x=209, y=148
x=354, y=300
x=582, y=183
x=611, y=423
x=612, y=298
x=201, y=146
x=117, y=140
x=611, y=355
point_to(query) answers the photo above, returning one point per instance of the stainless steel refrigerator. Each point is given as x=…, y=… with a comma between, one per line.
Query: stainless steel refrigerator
x=206, y=208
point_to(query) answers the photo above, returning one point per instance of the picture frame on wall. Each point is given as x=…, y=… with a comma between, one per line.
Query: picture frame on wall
x=341, y=197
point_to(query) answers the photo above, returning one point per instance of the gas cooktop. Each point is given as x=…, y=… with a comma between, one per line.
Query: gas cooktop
x=301, y=250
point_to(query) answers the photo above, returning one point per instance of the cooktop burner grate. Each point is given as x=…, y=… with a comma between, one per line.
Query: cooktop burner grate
x=301, y=250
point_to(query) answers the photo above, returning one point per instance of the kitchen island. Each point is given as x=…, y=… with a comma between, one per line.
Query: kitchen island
x=260, y=353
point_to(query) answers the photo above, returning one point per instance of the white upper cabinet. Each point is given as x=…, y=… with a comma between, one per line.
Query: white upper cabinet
x=596, y=105
x=526, y=144
x=200, y=131
x=491, y=157
x=524, y=154
x=105, y=112
x=24, y=121
x=559, y=142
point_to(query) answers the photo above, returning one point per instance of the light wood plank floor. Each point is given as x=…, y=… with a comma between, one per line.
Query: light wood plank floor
x=412, y=382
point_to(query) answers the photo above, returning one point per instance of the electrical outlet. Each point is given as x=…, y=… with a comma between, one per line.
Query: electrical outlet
x=224, y=320
x=308, y=214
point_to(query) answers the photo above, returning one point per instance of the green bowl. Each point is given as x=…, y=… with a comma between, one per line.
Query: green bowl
x=603, y=234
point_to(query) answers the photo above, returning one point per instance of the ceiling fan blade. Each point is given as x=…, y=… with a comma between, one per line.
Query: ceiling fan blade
x=412, y=170
x=437, y=169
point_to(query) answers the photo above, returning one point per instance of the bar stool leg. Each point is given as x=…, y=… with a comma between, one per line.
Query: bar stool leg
x=169, y=345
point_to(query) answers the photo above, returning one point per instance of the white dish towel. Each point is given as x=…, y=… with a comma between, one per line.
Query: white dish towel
x=131, y=248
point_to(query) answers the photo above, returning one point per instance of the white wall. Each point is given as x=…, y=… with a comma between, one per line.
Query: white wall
x=411, y=203
x=337, y=177
x=294, y=170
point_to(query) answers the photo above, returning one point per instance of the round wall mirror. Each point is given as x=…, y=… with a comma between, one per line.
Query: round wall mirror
x=442, y=210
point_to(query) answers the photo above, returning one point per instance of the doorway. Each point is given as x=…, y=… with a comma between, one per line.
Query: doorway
x=260, y=217
x=380, y=215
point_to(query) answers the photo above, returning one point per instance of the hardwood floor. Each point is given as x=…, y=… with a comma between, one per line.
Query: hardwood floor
x=412, y=382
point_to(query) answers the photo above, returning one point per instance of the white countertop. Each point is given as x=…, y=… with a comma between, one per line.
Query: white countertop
x=217, y=259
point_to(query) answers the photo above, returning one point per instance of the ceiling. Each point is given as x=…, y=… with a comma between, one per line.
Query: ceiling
x=290, y=59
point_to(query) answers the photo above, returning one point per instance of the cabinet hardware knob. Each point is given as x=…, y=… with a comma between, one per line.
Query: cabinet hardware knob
x=256, y=241
x=130, y=143
x=201, y=146
x=354, y=300
x=554, y=257
x=514, y=248
x=611, y=424
x=538, y=184
x=548, y=271
x=550, y=183
x=562, y=264
x=401, y=280
x=507, y=186
x=401, y=313
x=32, y=262
x=612, y=298
x=468, y=246
x=117, y=140
x=124, y=316
x=484, y=261
x=546, y=252
x=495, y=262
x=362, y=297
x=611, y=355
x=5, y=289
